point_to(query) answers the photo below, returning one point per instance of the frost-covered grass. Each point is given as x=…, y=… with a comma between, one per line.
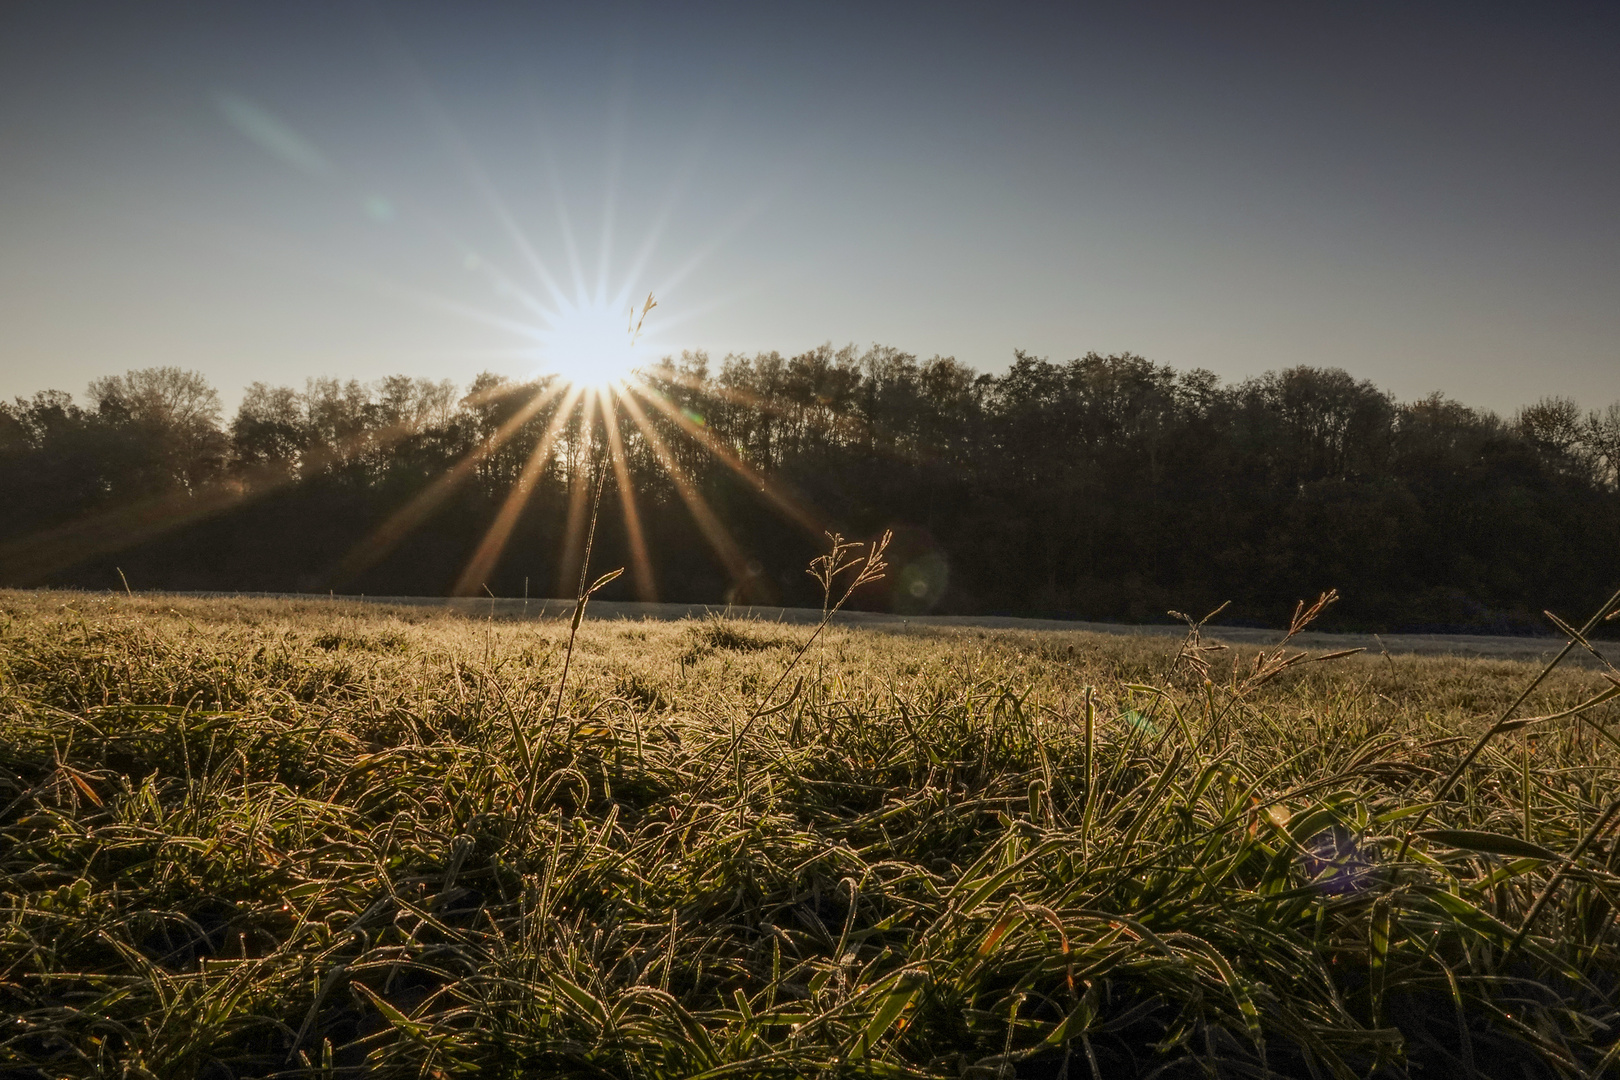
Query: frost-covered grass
x=245, y=838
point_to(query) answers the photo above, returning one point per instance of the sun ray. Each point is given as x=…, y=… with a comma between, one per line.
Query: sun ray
x=525, y=248
x=640, y=564
x=566, y=228
x=433, y=302
x=35, y=557
x=734, y=225
x=683, y=176
x=693, y=312
x=600, y=295
x=616, y=132
x=582, y=336
x=851, y=425
x=504, y=284
x=579, y=489
x=387, y=536
x=713, y=531
x=500, y=282
x=376, y=284
x=500, y=530
x=638, y=263
x=443, y=125
x=775, y=492
x=514, y=232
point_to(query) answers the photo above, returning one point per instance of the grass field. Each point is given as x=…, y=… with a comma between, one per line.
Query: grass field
x=251, y=838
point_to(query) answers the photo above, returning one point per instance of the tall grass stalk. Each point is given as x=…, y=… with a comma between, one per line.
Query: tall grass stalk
x=584, y=593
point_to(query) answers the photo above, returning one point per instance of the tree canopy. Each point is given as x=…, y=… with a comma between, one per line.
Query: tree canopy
x=1102, y=487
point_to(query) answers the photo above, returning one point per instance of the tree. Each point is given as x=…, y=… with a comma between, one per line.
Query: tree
x=165, y=424
x=270, y=428
x=1104, y=486
x=1600, y=439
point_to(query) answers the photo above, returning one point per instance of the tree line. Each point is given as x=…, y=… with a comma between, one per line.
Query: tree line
x=1107, y=487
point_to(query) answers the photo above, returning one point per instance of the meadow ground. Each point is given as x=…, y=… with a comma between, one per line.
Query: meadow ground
x=254, y=837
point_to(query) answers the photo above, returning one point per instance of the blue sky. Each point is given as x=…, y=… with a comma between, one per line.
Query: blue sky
x=1426, y=198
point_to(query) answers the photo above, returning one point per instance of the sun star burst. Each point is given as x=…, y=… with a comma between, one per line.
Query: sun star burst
x=591, y=344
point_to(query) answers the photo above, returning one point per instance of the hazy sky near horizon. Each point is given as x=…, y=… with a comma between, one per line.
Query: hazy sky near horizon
x=1425, y=195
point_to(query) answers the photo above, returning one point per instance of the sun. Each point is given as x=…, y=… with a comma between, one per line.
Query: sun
x=592, y=344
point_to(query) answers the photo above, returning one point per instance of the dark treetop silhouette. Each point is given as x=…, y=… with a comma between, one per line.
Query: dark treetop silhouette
x=1104, y=487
